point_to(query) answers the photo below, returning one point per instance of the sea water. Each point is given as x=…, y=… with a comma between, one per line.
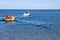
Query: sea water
x=39, y=25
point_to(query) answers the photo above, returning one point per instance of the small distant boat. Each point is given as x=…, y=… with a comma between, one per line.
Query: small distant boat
x=9, y=18
x=26, y=14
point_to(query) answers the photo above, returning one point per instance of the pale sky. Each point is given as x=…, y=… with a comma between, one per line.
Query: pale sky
x=29, y=4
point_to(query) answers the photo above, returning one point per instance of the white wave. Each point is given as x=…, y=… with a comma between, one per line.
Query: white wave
x=2, y=17
x=35, y=22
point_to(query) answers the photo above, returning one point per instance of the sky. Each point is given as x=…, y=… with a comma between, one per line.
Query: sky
x=29, y=4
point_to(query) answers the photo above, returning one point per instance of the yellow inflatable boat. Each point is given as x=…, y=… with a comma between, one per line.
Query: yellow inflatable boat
x=9, y=18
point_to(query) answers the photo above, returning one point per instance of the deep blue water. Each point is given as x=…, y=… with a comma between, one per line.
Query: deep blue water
x=40, y=25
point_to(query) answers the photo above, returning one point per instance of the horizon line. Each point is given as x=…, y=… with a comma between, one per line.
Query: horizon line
x=29, y=9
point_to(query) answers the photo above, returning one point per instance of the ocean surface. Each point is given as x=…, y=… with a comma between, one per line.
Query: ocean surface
x=39, y=25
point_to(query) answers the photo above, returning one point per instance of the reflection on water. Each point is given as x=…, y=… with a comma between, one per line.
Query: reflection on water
x=9, y=22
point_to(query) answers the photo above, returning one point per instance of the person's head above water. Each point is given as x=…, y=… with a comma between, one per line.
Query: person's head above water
x=9, y=16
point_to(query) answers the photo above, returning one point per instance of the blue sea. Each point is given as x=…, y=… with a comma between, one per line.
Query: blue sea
x=39, y=25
